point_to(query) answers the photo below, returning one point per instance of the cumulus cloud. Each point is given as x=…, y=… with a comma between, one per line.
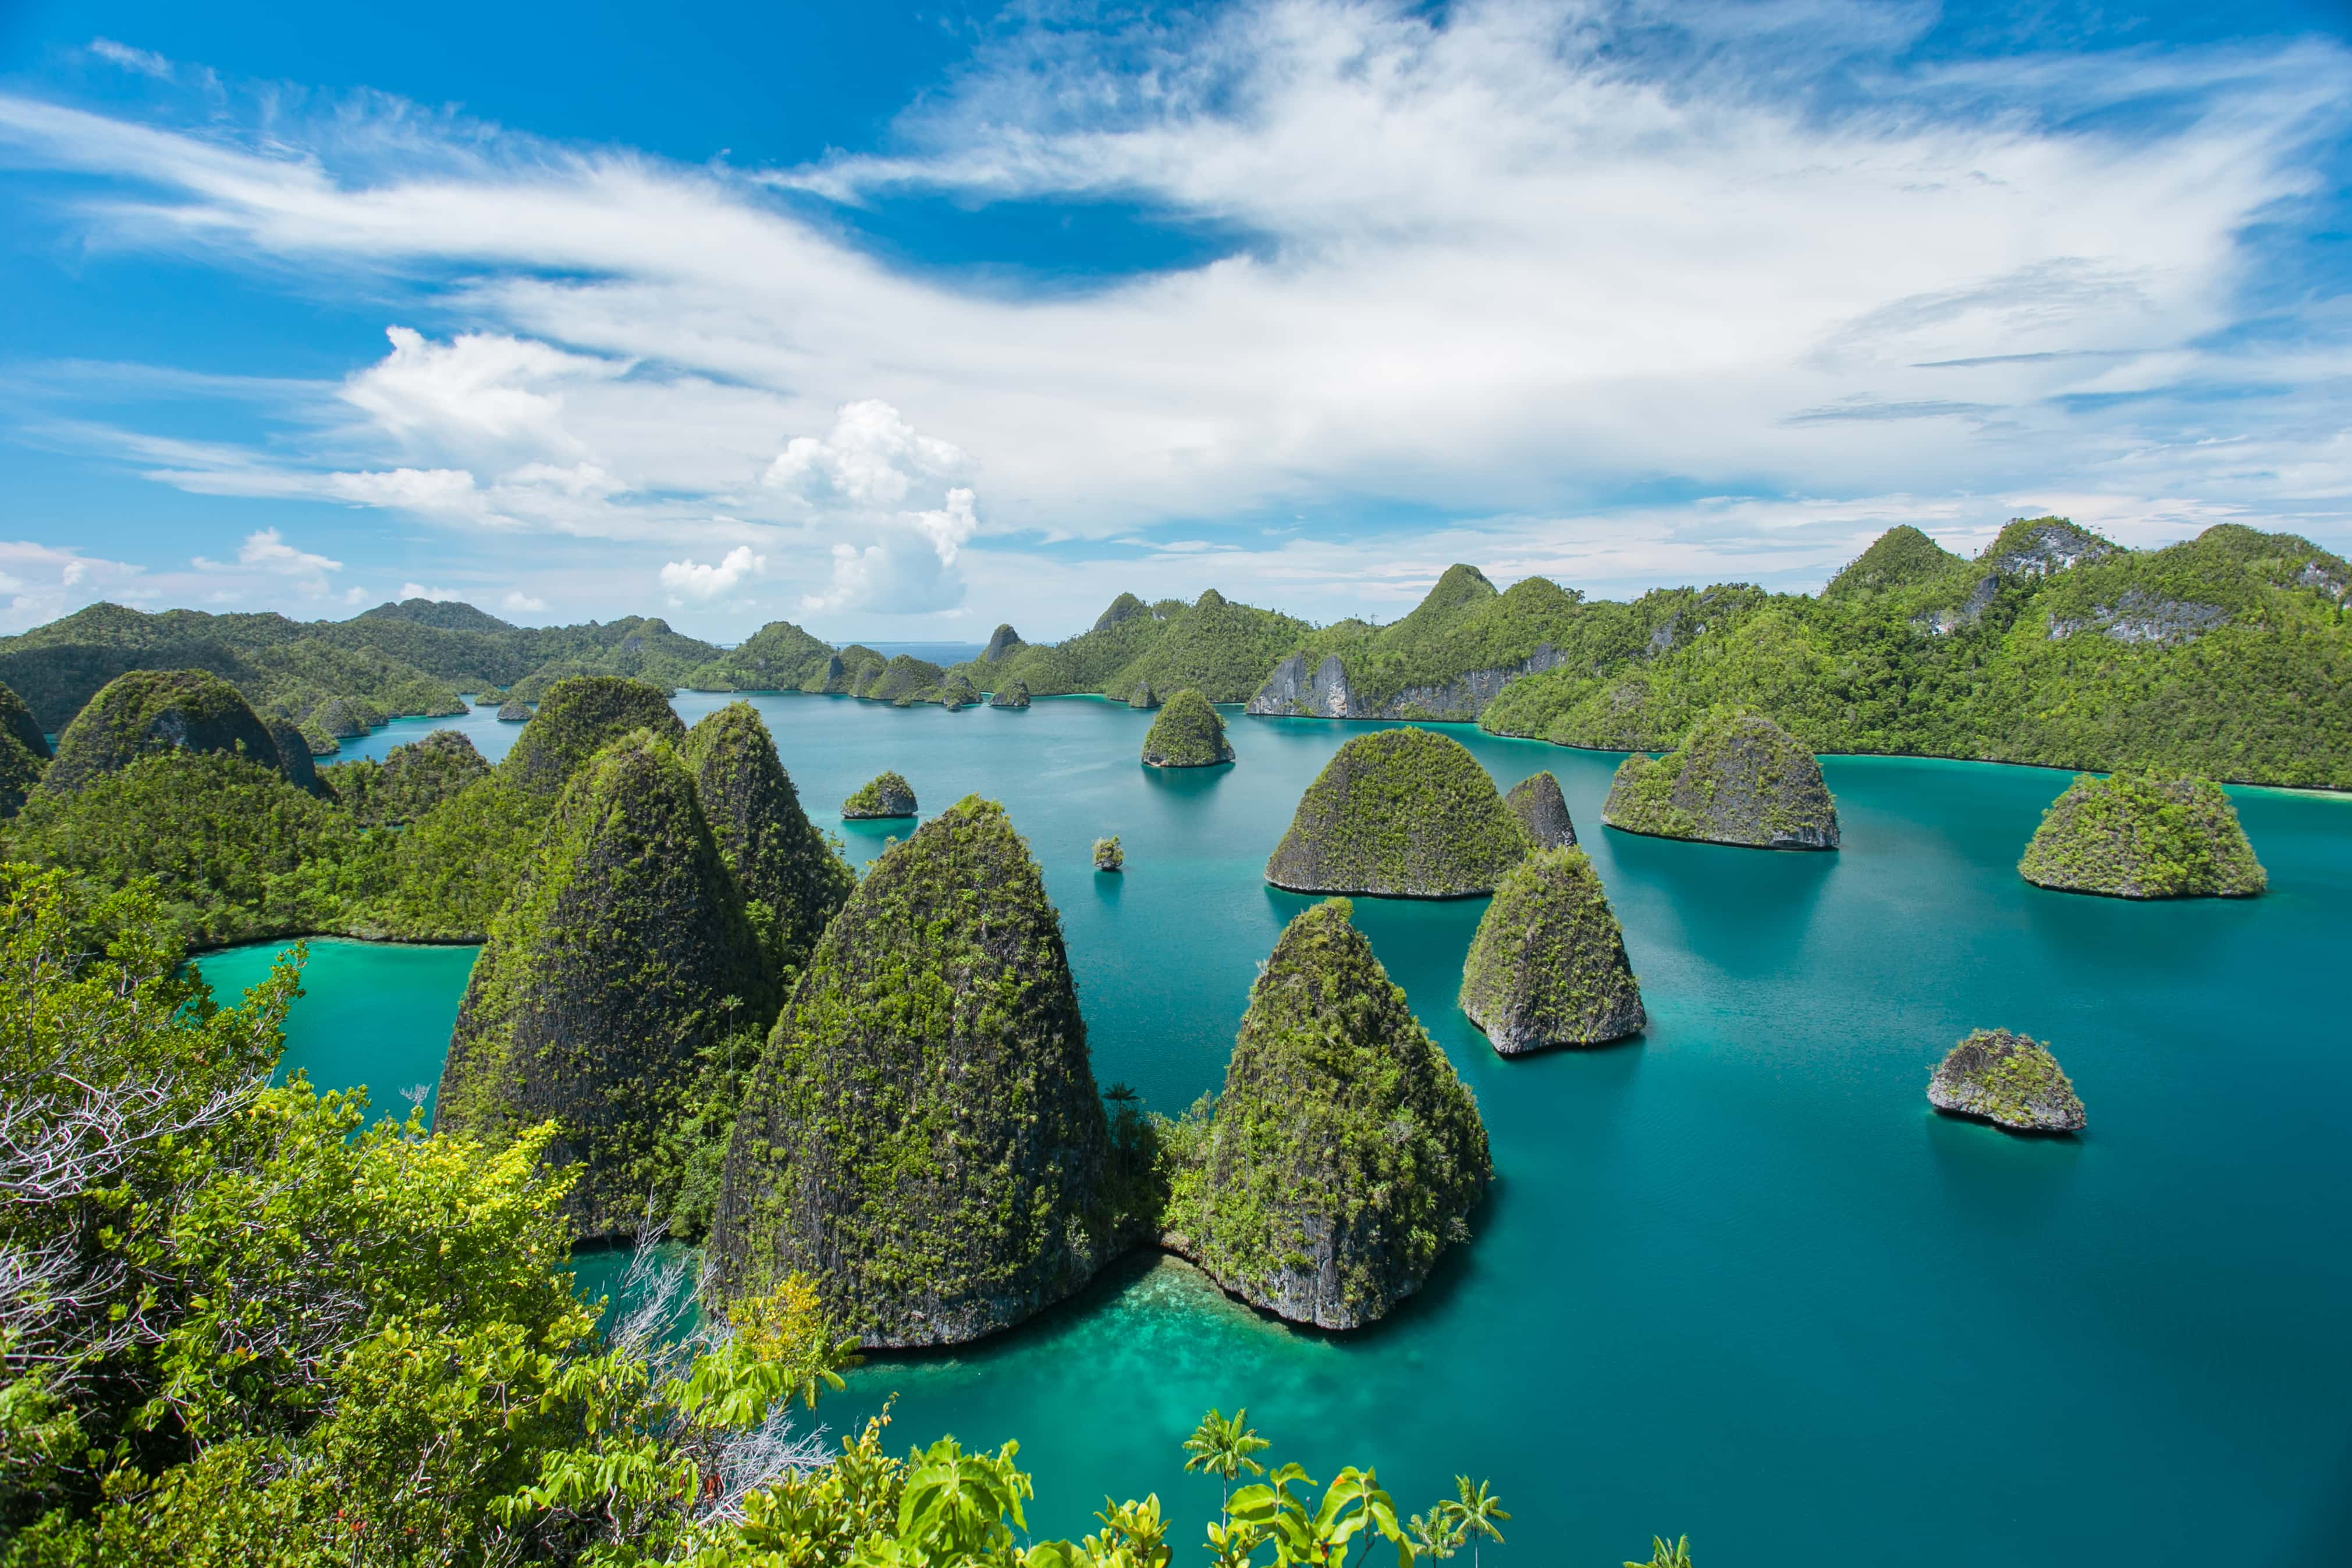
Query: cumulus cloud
x=870, y=476
x=266, y=551
x=693, y=581
x=517, y=602
x=480, y=388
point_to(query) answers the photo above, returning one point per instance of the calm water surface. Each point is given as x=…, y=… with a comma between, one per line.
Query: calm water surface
x=1737, y=1279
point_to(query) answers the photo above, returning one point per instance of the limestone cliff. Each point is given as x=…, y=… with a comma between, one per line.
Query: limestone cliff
x=2008, y=1080
x=884, y=795
x=1548, y=966
x=791, y=881
x=1188, y=733
x=1542, y=810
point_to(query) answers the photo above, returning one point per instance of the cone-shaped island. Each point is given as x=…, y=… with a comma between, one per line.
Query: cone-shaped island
x=1401, y=813
x=1344, y=1155
x=791, y=881
x=24, y=751
x=146, y=713
x=923, y=1138
x=1737, y=779
x=1188, y=733
x=2138, y=836
x=1014, y=693
x=622, y=958
x=514, y=710
x=882, y=795
x=577, y=718
x=1548, y=966
x=1542, y=810
x=2008, y=1080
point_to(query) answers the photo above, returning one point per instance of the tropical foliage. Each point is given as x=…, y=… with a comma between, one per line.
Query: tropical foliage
x=2142, y=836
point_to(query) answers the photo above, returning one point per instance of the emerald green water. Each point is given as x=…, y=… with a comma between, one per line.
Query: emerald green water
x=1736, y=1279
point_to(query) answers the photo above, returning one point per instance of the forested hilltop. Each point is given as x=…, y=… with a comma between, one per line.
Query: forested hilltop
x=2227, y=655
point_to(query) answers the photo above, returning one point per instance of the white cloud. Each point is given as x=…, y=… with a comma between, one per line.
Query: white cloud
x=694, y=581
x=517, y=602
x=439, y=595
x=145, y=62
x=479, y=390
x=869, y=476
x=39, y=582
x=265, y=552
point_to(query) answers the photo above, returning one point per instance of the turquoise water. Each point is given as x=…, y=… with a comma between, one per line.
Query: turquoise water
x=480, y=724
x=1736, y=1279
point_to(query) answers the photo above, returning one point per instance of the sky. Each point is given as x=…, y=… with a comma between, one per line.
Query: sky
x=900, y=322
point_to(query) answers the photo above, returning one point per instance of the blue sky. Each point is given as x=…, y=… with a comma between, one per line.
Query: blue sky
x=898, y=323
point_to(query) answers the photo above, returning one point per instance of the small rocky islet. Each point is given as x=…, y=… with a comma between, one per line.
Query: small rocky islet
x=1547, y=965
x=1186, y=732
x=2135, y=835
x=2010, y=1080
x=1108, y=854
x=1737, y=779
x=1542, y=810
x=1012, y=694
x=1399, y=813
x=884, y=797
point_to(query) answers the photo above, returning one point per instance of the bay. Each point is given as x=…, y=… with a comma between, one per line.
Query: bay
x=1734, y=1280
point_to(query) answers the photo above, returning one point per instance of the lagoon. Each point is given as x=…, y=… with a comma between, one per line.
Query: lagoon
x=1734, y=1279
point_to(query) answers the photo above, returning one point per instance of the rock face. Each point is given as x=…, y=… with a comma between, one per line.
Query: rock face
x=1142, y=695
x=1293, y=691
x=577, y=718
x=1344, y=1155
x=1189, y=732
x=1738, y=778
x=514, y=710
x=2008, y=1080
x=1109, y=856
x=24, y=752
x=1537, y=802
x=1015, y=695
x=1405, y=813
x=147, y=712
x=791, y=882
x=2138, y=836
x=294, y=758
x=956, y=690
x=1005, y=640
x=884, y=795
x=1548, y=966
x=601, y=986
x=923, y=1138
x=1126, y=607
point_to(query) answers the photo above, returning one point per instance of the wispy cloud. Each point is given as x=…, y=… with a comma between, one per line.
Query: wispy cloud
x=145, y=62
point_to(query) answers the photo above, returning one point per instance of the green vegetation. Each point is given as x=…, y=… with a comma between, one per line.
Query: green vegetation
x=1344, y=1153
x=410, y=782
x=1401, y=814
x=778, y=657
x=1141, y=696
x=1012, y=694
x=151, y=711
x=514, y=710
x=923, y=1138
x=345, y=718
x=1737, y=779
x=884, y=795
x=791, y=881
x=294, y=754
x=1221, y=648
x=621, y=989
x=1108, y=855
x=2227, y=656
x=1548, y=966
x=845, y=671
x=1189, y=732
x=1001, y=642
x=2008, y=1080
x=1542, y=810
x=904, y=680
x=577, y=718
x=24, y=752
x=445, y=877
x=1445, y=660
x=2141, y=836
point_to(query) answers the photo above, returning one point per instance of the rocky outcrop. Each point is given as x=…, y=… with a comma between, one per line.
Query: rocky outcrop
x=1542, y=810
x=904, y=681
x=956, y=690
x=1402, y=813
x=1126, y=607
x=578, y=718
x=1967, y=613
x=2008, y=1080
x=514, y=711
x=2139, y=616
x=1001, y=642
x=923, y=1139
x=1015, y=695
x=1738, y=778
x=1109, y=856
x=791, y=882
x=2037, y=547
x=24, y=752
x=623, y=956
x=1548, y=966
x=1142, y=695
x=2140, y=836
x=1344, y=1155
x=149, y=712
x=345, y=718
x=1188, y=733
x=1294, y=692
x=294, y=759
x=884, y=795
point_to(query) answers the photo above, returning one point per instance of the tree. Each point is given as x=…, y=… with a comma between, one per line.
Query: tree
x=1473, y=1512
x=1222, y=1447
x=1664, y=1556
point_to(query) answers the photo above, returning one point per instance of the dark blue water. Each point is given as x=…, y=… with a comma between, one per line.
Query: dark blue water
x=1735, y=1279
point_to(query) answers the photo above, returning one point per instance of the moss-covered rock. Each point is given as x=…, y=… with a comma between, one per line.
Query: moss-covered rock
x=1542, y=810
x=923, y=1138
x=904, y=680
x=1548, y=966
x=1109, y=856
x=410, y=782
x=1188, y=733
x=2008, y=1080
x=148, y=712
x=2138, y=836
x=294, y=755
x=1002, y=642
x=1344, y=1153
x=514, y=710
x=1401, y=814
x=884, y=795
x=1737, y=779
x=24, y=752
x=792, y=882
x=578, y=719
x=489, y=696
x=956, y=690
x=1141, y=696
x=1014, y=694
x=621, y=967
x=345, y=718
